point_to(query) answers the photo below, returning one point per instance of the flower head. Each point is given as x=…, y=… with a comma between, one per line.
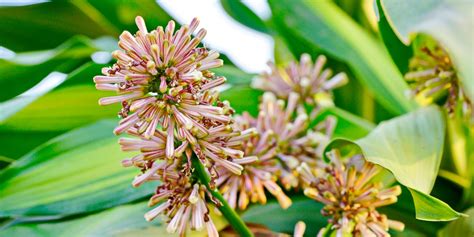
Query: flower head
x=350, y=196
x=433, y=75
x=280, y=143
x=183, y=203
x=159, y=77
x=310, y=81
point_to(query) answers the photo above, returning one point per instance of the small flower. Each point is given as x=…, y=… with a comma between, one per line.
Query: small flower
x=160, y=76
x=183, y=202
x=310, y=81
x=260, y=169
x=280, y=144
x=433, y=75
x=350, y=197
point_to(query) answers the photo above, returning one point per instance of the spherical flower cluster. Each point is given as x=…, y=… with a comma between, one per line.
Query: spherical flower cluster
x=280, y=144
x=433, y=75
x=350, y=196
x=173, y=113
x=310, y=81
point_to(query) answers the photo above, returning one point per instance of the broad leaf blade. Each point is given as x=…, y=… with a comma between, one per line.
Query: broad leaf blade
x=76, y=172
x=410, y=146
x=326, y=27
x=448, y=21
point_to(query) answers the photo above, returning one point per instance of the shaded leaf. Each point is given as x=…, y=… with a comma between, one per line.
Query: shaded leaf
x=325, y=26
x=242, y=98
x=448, y=21
x=234, y=75
x=79, y=171
x=39, y=29
x=241, y=13
x=61, y=110
x=400, y=53
x=279, y=220
x=348, y=126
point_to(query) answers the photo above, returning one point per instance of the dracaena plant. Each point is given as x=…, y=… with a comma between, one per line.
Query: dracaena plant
x=361, y=125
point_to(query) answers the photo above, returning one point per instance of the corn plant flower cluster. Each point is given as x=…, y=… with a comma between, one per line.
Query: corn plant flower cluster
x=433, y=76
x=175, y=120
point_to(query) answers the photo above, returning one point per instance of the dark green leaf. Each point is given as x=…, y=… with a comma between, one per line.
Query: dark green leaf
x=400, y=53
x=243, y=98
x=279, y=220
x=348, y=126
x=325, y=26
x=234, y=75
x=19, y=77
x=243, y=14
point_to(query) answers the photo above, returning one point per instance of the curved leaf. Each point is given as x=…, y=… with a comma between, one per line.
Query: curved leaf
x=83, y=17
x=326, y=27
x=61, y=110
x=400, y=53
x=242, y=98
x=448, y=21
x=243, y=14
x=348, y=126
x=76, y=172
x=19, y=77
x=411, y=146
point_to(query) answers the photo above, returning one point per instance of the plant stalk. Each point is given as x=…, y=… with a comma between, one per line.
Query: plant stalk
x=232, y=217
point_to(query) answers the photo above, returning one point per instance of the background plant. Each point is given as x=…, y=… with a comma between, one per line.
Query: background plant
x=60, y=162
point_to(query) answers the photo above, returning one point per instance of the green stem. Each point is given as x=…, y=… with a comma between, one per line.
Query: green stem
x=232, y=217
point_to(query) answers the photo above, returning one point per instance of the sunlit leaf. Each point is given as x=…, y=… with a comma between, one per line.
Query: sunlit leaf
x=448, y=21
x=461, y=227
x=242, y=98
x=126, y=220
x=400, y=53
x=410, y=146
x=79, y=171
x=328, y=28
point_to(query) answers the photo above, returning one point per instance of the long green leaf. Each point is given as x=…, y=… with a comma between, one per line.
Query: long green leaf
x=400, y=53
x=126, y=220
x=348, y=126
x=241, y=13
x=327, y=27
x=279, y=220
x=61, y=110
x=80, y=17
x=19, y=77
x=448, y=21
x=76, y=172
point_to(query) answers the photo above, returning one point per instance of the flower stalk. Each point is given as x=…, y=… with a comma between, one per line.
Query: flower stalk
x=231, y=216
